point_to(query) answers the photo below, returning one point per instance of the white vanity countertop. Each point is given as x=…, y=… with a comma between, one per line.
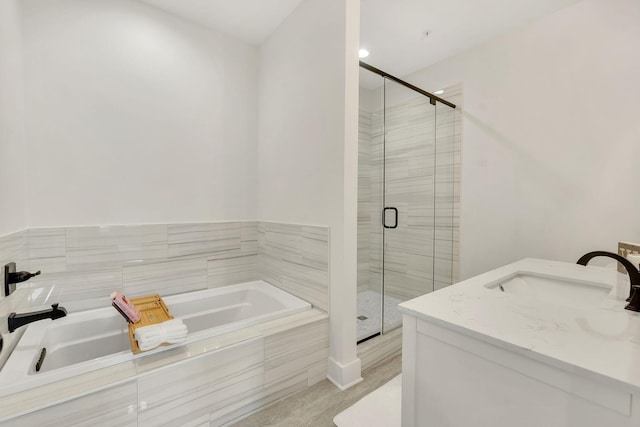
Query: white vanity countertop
x=602, y=342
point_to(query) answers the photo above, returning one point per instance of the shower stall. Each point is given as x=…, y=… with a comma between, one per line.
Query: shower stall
x=408, y=185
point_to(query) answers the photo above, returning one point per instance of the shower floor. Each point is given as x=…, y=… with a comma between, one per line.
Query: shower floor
x=369, y=313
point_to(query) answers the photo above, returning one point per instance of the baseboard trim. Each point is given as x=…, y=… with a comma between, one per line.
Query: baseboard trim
x=344, y=376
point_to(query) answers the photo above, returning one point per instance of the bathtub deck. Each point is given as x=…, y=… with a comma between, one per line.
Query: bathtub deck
x=289, y=354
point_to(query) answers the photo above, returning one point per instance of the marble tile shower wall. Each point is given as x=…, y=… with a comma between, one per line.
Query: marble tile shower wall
x=364, y=200
x=422, y=173
x=82, y=265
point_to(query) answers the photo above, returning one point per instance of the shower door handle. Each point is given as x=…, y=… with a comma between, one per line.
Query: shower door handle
x=384, y=218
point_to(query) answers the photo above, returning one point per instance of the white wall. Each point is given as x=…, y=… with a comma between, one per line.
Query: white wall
x=136, y=116
x=12, y=147
x=307, y=150
x=551, y=142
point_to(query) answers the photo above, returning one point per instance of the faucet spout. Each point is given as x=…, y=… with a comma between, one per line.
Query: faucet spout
x=16, y=320
x=632, y=270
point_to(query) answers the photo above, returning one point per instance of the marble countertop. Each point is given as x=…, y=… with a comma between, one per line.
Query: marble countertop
x=602, y=342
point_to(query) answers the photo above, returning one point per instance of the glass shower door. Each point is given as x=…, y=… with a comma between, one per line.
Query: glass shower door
x=408, y=216
x=370, y=196
x=407, y=230
x=447, y=157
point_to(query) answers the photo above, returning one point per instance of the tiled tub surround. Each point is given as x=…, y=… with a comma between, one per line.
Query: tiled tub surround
x=295, y=258
x=88, y=340
x=81, y=266
x=13, y=247
x=209, y=382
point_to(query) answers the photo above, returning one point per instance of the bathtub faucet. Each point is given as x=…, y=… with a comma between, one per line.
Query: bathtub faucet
x=16, y=320
x=11, y=277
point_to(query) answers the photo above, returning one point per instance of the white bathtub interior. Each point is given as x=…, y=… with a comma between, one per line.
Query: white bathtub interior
x=80, y=339
x=94, y=339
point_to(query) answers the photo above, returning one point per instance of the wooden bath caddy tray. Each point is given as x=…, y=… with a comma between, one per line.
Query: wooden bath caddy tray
x=153, y=311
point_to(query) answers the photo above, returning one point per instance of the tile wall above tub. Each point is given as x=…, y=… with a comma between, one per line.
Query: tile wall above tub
x=295, y=259
x=13, y=247
x=81, y=266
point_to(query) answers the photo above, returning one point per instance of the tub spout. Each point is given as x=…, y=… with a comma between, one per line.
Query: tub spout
x=16, y=320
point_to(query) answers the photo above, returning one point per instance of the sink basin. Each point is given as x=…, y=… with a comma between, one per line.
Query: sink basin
x=554, y=290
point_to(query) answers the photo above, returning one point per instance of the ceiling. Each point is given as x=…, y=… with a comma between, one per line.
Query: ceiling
x=249, y=20
x=392, y=30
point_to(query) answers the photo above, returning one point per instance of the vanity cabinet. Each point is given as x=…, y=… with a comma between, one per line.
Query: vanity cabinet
x=474, y=357
x=449, y=379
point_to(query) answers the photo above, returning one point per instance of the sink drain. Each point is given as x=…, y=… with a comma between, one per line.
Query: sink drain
x=43, y=353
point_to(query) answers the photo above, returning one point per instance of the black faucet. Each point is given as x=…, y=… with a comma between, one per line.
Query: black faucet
x=632, y=271
x=16, y=320
x=11, y=277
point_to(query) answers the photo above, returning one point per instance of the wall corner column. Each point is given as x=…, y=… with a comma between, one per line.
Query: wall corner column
x=344, y=367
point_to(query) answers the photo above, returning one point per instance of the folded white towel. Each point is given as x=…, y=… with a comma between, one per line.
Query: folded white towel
x=172, y=332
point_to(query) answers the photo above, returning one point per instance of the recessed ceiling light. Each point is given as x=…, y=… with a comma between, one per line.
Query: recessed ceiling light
x=438, y=92
x=363, y=53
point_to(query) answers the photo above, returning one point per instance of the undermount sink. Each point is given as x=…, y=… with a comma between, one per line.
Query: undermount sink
x=554, y=290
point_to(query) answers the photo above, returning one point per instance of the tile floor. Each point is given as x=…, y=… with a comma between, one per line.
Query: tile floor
x=381, y=408
x=319, y=404
x=369, y=309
